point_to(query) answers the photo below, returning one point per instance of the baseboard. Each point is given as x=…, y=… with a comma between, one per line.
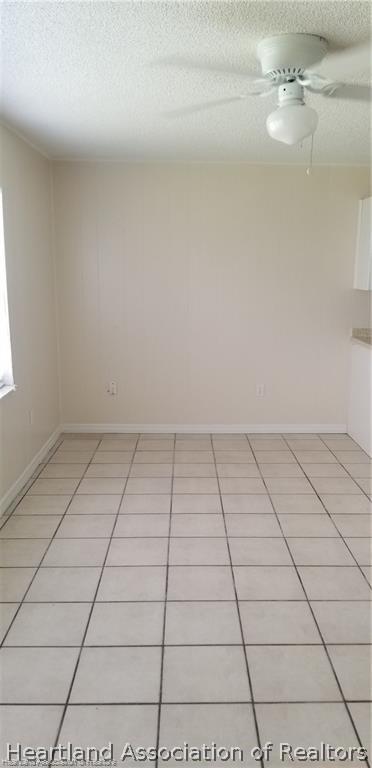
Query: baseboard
x=27, y=473
x=205, y=428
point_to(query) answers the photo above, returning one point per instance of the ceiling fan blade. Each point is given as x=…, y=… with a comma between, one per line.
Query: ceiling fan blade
x=193, y=108
x=224, y=67
x=356, y=91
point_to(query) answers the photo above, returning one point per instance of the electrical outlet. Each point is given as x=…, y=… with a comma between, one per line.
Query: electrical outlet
x=260, y=390
x=112, y=388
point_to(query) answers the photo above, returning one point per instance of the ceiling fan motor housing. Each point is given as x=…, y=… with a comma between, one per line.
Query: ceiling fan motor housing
x=286, y=56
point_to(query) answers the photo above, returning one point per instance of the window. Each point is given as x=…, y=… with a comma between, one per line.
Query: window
x=6, y=371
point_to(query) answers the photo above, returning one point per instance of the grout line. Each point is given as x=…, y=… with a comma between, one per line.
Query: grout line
x=165, y=612
x=255, y=719
x=318, y=627
x=66, y=703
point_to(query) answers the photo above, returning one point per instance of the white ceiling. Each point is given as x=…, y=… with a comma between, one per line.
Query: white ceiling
x=83, y=80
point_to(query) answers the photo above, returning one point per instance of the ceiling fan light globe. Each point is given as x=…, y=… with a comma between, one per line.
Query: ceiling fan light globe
x=292, y=123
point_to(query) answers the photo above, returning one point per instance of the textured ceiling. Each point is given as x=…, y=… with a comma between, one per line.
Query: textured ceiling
x=84, y=79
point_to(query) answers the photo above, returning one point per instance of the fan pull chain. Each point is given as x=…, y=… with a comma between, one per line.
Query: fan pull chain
x=310, y=166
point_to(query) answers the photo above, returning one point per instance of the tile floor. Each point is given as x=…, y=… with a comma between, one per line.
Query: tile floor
x=158, y=589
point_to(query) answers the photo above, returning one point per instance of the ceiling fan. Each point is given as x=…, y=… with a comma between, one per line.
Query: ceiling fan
x=285, y=63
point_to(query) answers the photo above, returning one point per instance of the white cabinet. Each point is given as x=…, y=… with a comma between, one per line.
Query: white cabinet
x=363, y=256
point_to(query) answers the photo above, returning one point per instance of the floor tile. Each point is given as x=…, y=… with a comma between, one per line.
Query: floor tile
x=297, y=504
x=91, y=526
x=139, y=551
x=296, y=485
x=340, y=443
x=101, y=485
x=151, y=485
x=323, y=470
x=334, y=583
x=146, y=504
x=198, y=551
x=361, y=549
x=302, y=444
x=152, y=470
x=197, y=525
x=361, y=713
x=142, y=525
x=79, y=444
x=43, y=505
x=126, y=624
x=132, y=583
x=238, y=470
x=194, y=470
x=94, y=505
x=343, y=621
x=202, y=724
x=196, y=504
x=108, y=470
x=350, y=505
x=22, y=552
x=353, y=669
x=30, y=527
x=268, y=583
x=281, y=470
x=245, y=503
x=366, y=486
x=195, y=485
x=31, y=725
x=71, y=457
x=367, y=570
x=53, y=487
x=256, y=551
x=103, y=724
x=7, y=613
x=76, y=552
x=268, y=444
x=304, y=725
x=121, y=458
x=197, y=444
x=199, y=674
x=315, y=457
x=335, y=485
x=153, y=457
x=252, y=525
x=49, y=624
x=55, y=471
x=14, y=583
x=359, y=471
x=291, y=673
x=199, y=623
x=116, y=444
x=307, y=525
x=275, y=457
x=48, y=678
x=315, y=551
x=125, y=675
x=190, y=457
x=241, y=485
x=353, y=525
x=200, y=583
x=278, y=622
x=147, y=444
x=64, y=584
x=352, y=457
x=234, y=457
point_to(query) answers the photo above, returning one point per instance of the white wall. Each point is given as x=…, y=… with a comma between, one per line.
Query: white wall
x=191, y=284
x=26, y=184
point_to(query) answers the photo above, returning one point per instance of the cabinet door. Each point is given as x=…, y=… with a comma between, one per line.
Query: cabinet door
x=363, y=260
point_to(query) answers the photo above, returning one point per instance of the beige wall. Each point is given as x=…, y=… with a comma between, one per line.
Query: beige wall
x=26, y=184
x=190, y=285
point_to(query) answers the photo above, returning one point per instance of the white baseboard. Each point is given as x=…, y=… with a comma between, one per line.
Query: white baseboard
x=205, y=428
x=27, y=473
